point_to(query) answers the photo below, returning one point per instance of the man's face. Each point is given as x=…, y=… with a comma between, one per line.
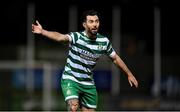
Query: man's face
x=91, y=24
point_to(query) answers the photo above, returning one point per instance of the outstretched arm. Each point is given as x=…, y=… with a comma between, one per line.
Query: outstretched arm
x=38, y=29
x=119, y=62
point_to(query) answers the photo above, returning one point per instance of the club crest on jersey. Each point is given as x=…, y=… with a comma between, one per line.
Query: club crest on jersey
x=100, y=47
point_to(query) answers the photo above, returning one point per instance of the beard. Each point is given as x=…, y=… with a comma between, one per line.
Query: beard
x=94, y=31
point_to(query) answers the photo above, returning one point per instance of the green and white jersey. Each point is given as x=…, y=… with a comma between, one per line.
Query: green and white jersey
x=83, y=55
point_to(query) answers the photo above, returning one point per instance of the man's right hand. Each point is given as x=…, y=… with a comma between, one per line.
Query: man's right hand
x=37, y=28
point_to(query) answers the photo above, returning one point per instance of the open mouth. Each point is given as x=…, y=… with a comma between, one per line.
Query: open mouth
x=94, y=29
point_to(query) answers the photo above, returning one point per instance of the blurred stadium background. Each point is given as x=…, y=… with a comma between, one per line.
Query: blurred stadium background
x=145, y=34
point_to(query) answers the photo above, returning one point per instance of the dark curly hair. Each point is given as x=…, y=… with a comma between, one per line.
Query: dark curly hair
x=91, y=12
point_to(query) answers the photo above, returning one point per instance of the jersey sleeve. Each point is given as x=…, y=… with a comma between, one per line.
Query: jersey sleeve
x=72, y=37
x=110, y=50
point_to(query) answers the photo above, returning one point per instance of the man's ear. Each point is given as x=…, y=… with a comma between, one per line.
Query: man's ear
x=84, y=24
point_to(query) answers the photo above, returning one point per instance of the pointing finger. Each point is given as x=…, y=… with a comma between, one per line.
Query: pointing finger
x=130, y=83
x=37, y=22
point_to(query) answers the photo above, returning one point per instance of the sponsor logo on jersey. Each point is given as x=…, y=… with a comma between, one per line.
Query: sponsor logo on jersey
x=89, y=56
